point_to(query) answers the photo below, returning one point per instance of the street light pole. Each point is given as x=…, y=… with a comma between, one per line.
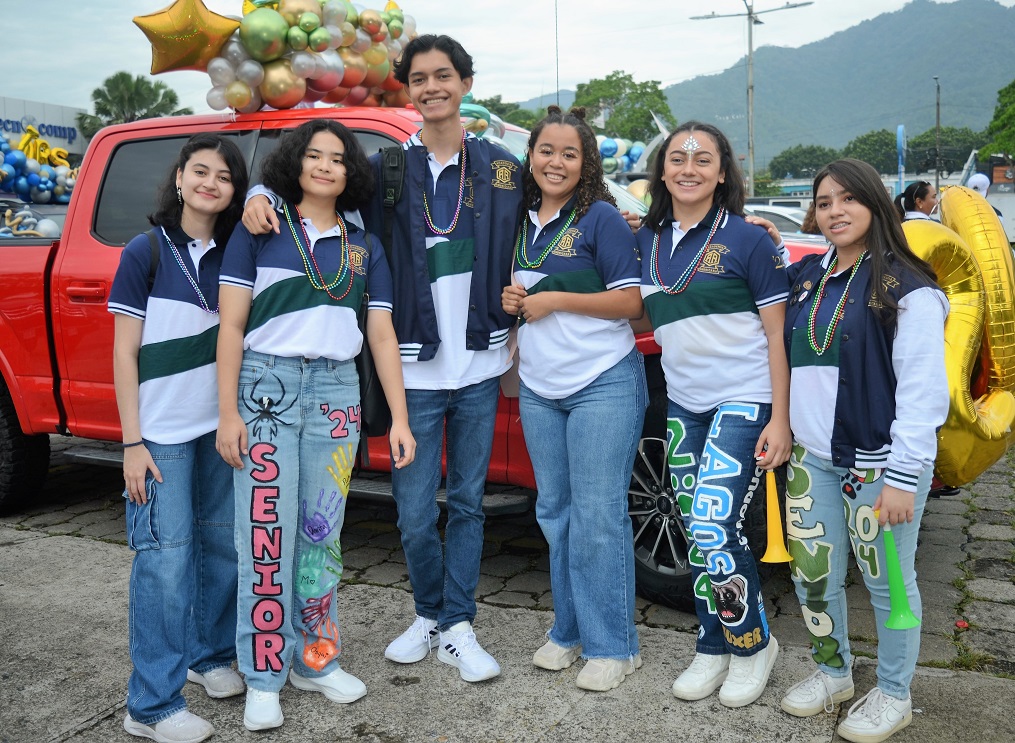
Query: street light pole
x=752, y=21
x=937, y=137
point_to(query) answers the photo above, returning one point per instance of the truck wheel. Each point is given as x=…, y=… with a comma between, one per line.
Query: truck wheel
x=24, y=460
x=661, y=570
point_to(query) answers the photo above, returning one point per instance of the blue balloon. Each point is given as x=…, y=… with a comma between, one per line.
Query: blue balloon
x=48, y=172
x=21, y=186
x=4, y=146
x=608, y=148
x=636, y=151
x=625, y=163
x=16, y=158
x=33, y=179
x=6, y=172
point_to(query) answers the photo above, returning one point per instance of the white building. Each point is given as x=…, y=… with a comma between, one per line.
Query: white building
x=56, y=124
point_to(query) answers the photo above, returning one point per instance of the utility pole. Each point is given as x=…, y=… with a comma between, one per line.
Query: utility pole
x=937, y=137
x=752, y=21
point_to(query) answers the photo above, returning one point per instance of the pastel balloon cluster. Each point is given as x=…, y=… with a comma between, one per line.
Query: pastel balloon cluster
x=302, y=51
x=619, y=155
x=32, y=181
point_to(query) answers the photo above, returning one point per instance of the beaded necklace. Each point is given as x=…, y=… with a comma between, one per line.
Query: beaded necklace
x=521, y=249
x=819, y=293
x=193, y=284
x=461, y=194
x=313, y=271
x=685, y=278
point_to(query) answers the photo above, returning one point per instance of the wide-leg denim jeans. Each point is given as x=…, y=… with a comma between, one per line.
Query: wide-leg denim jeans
x=713, y=472
x=182, y=611
x=302, y=420
x=582, y=449
x=829, y=510
x=444, y=576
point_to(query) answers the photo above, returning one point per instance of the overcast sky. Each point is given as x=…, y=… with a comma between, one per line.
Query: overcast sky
x=58, y=51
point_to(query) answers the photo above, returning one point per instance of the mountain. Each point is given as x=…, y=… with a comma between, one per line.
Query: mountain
x=875, y=75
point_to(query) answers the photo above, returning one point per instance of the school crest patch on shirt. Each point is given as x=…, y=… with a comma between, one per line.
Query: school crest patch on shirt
x=565, y=246
x=711, y=262
x=503, y=170
x=358, y=257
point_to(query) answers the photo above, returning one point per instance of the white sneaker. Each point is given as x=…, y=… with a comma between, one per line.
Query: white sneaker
x=705, y=674
x=338, y=686
x=603, y=674
x=816, y=693
x=183, y=727
x=553, y=657
x=748, y=676
x=459, y=648
x=218, y=682
x=415, y=643
x=262, y=710
x=875, y=717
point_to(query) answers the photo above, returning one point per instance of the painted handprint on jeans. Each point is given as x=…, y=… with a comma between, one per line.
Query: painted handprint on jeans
x=314, y=576
x=344, y=457
x=320, y=525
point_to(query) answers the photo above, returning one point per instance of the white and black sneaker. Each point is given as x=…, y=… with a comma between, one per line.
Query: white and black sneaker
x=459, y=648
x=415, y=643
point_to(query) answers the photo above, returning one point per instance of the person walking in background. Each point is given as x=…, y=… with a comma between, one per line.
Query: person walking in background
x=576, y=283
x=868, y=390
x=286, y=358
x=715, y=292
x=918, y=201
x=182, y=620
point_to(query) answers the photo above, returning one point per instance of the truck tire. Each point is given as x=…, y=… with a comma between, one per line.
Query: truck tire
x=661, y=570
x=24, y=459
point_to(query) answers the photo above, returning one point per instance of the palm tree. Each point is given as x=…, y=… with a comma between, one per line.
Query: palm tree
x=123, y=98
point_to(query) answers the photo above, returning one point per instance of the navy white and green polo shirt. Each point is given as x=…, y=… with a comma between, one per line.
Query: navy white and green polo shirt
x=178, y=392
x=564, y=352
x=288, y=316
x=714, y=347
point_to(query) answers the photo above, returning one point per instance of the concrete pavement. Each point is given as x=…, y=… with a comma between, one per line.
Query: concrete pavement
x=64, y=665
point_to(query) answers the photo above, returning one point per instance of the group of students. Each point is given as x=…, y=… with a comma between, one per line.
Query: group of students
x=239, y=401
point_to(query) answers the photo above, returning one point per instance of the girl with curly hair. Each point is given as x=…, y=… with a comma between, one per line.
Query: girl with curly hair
x=286, y=355
x=575, y=287
x=715, y=291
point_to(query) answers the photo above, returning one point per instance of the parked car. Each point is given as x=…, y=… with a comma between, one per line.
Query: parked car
x=56, y=337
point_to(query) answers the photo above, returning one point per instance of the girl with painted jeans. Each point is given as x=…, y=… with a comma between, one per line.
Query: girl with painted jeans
x=576, y=277
x=289, y=410
x=179, y=491
x=865, y=338
x=715, y=290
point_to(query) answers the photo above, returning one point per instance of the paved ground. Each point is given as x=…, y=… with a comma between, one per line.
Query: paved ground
x=63, y=568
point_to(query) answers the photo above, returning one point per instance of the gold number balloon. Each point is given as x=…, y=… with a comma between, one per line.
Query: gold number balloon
x=973, y=261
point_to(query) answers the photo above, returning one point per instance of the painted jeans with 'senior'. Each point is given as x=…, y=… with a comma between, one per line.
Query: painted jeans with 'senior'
x=714, y=474
x=302, y=419
x=828, y=511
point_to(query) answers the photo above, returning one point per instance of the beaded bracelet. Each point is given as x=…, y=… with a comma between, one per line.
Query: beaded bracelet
x=136, y=443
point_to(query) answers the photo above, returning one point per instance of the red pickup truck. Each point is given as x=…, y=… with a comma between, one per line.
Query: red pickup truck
x=56, y=337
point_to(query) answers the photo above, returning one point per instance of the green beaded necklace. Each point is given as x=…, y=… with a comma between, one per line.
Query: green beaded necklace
x=812, y=334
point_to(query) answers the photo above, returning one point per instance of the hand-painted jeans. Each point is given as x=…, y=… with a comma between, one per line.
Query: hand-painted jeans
x=302, y=420
x=829, y=509
x=715, y=477
x=444, y=576
x=183, y=579
x=582, y=449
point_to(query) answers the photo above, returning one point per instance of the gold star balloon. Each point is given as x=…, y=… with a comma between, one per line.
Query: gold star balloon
x=185, y=36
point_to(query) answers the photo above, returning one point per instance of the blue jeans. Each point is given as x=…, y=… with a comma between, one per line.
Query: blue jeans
x=829, y=509
x=582, y=449
x=715, y=477
x=183, y=579
x=302, y=420
x=444, y=576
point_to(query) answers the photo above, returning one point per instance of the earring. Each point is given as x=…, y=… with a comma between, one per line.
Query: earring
x=179, y=195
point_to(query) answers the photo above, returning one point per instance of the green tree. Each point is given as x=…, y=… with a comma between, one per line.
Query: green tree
x=123, y=98
x=876, y=148
x=801, y=161
x=511, y=112
x=956, y=144
x=1001, y=129
x=627, y=106
x=765, y=185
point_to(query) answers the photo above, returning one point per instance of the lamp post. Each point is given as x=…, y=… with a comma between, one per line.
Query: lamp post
x=752, y=21
x=937, y=137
